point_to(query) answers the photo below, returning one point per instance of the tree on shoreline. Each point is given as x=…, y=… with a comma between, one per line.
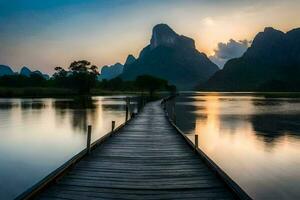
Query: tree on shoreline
x=152, y=84
x=81, y=76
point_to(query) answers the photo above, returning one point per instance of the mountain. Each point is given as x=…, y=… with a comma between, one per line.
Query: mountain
x=110, y=72
x=46, y=76
x=271, y=63
x=25, y=71
x=130, y=59
x=172, y=57
x=5, y=70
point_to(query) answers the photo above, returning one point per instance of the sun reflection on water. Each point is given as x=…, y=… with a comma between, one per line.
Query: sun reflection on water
x=253, y=139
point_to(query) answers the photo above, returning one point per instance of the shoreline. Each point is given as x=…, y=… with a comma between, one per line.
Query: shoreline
x=44, y=92
x=48, y=92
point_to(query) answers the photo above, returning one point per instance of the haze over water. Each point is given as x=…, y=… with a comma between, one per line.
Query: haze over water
x=255, y=140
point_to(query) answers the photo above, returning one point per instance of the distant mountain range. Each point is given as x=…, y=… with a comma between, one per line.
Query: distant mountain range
x=25, y=71
x=172, y=57
x=272, y=63
x=5, y=70
x=110, y=72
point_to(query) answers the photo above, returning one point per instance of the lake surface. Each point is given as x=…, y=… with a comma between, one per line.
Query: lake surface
x=253, y=138
x=39, y=135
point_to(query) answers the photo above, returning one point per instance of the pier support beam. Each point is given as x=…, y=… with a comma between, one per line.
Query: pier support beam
x=88, y=143
x=127, y=108
x=196, y=142
x=113, y=124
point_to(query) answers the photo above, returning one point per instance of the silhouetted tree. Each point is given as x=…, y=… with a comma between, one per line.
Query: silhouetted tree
x=34, y=80
x=82, y=76
x=60, y=77
x=37, y=79
x=171, y=88
x=150, y=83
x=59, y=71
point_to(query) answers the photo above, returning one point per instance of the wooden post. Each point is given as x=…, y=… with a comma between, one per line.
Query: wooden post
x=139, y=104
x=127, y=109
x=196, y=142
x=113, y=123
x=143, y=101
x=88, y=143
x=174, y=113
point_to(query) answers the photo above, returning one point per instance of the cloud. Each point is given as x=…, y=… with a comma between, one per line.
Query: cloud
x=229, y=50
x=208, y=21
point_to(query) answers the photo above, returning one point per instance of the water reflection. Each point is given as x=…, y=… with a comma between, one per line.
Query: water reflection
x=253, y=138
x=32, y=105
x=110, y=107
x=7, y=105
x=38, y=135
x=80, y=111
x=272, y=127
x=76, y=103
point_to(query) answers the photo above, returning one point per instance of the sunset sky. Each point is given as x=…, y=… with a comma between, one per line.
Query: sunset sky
x=45, y=34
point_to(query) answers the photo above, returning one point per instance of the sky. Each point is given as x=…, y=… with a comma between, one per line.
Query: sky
x=49, y=33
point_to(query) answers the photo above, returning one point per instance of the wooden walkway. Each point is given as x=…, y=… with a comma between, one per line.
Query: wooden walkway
x=148, y=160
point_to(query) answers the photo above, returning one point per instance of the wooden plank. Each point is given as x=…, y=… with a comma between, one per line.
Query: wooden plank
x=113, y=194
x=147, y=159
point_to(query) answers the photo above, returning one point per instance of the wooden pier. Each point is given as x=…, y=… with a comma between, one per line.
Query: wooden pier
x=146, y=159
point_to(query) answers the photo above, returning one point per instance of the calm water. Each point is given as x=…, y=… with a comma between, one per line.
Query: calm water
x=255, y=140
x=39, y=135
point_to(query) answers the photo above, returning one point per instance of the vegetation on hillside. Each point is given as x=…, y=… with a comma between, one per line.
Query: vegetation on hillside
x=79, y=79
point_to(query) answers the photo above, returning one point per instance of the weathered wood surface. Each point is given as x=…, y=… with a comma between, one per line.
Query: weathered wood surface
x=147, y=160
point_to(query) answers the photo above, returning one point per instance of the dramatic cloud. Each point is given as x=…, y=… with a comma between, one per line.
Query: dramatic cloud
x=226, y=51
